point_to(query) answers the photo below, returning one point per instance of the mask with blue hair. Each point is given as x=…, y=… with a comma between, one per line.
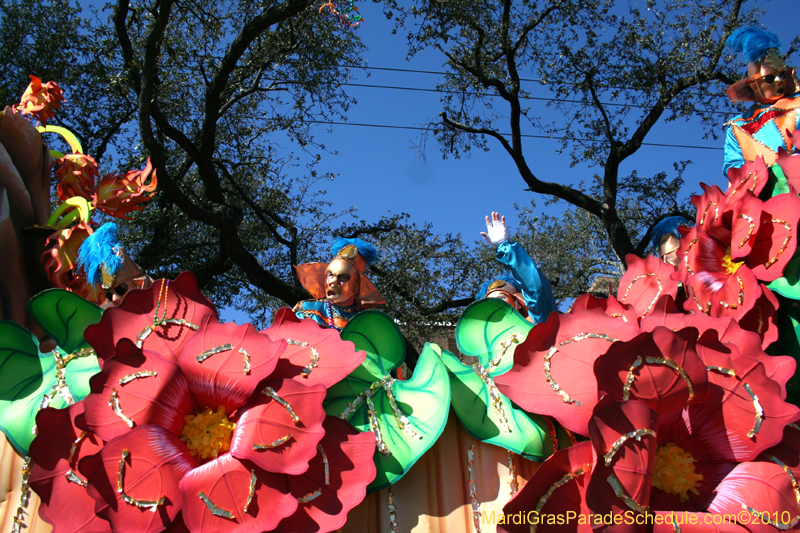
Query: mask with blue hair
x=105, y=262
x=100, y=256
x=761, y=50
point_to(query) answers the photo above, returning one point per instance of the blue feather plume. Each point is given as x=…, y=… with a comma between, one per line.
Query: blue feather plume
x=667, y=226
x=484, y=286
x=753, y=42
x=365, y=249
x=99, y=250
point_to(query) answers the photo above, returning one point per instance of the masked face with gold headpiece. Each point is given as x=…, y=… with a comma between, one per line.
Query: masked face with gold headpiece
x=342, y=282
x=768, y=78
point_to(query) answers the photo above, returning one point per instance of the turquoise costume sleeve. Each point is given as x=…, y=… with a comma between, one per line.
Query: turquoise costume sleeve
x=732, y=153
x=535, y=287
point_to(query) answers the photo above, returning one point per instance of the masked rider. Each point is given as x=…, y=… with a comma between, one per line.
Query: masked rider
x=340, y=288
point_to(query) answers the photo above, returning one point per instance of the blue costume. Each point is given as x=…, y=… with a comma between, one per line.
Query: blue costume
x=769, y=124
x=534, y=286
x=761, y=131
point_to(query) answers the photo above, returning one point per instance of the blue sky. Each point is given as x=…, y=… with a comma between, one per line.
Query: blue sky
x=380, y=170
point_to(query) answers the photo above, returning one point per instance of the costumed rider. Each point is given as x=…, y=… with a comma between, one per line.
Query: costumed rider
x=105, y=262
x=528, y=292
x=340, y=288
x=666, y=240
x=767, y=125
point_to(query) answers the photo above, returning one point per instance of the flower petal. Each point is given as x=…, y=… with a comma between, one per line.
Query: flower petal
x=139, y=387
x=752, y=488
x=660, y=368
x=183, y=308
x=744, y=410
x=567, y=474
x=218, y=497
x=65, y=504
x=776, y=240
x=752, y=176
x=341, y=472
x=645, y=281
x=553, y=371
x=136, y=476
x=313, y=354
x=266, y=421
x=224, y=363
x=624, y=439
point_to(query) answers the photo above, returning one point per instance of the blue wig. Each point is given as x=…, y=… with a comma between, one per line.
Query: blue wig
x=481, y=294
x=755, y=43
x=365, y=249
x=99, y=251
x=667, y=226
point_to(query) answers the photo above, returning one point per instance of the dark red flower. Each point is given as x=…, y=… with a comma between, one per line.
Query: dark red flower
x=40, y=99
x=738, y=240
x=76, y=174
x=119, y=194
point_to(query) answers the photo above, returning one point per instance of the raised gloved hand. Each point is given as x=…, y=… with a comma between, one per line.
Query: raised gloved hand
x=495, y=230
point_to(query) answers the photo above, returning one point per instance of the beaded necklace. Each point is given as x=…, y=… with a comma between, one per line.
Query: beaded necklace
x=164, y=291
x=331, y=323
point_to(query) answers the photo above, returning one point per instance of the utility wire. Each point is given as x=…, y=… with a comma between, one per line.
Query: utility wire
x=489, y=95
x=528, y=136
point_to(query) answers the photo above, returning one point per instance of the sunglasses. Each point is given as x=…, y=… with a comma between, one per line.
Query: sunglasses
x=771, y=78
x=122, y=288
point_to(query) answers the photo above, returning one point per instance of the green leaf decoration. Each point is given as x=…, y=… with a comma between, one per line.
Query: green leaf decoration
x=26, y=375
x=497, y=422
x=64, y=315
x=789, y=284
x=490, y=329
x=29, y=378
x=406, y=416
x=776, y=183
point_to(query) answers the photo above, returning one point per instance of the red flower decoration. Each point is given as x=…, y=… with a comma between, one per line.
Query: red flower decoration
x=60, y=258
x=645, y=281
x=177, y=307
x=348, y=455
x=306, y=356
x=40, y=100
x=54, y=474
x=558, y=488
x=76, y=174
x=202, y=434
x=119, y=194
x=553, y=372
x=738, y=240
x=729, y=332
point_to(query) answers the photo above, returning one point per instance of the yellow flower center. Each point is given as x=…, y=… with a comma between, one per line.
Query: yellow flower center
x=208, y=434
x=730, y=266
x=674, y=471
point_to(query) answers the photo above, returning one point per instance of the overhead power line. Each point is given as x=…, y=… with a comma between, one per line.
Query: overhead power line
x=528, y=136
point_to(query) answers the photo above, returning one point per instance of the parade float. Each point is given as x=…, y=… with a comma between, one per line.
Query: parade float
x=668, y=407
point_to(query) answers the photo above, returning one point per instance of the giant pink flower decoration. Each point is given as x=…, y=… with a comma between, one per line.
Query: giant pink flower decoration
x=206, y=430
x=686, y=425
x=738, y=240
x=553, y=372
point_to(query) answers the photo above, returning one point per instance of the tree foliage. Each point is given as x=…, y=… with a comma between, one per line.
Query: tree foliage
x=221, y=94
x=612, y=71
